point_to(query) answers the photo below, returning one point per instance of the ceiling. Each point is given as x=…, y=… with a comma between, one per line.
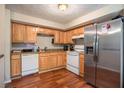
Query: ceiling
x=52, y=13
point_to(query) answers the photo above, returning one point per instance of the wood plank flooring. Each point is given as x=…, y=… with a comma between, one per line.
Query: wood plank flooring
x=54, y=79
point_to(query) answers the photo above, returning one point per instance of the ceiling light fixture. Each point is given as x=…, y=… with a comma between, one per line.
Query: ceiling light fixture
x=62, y=7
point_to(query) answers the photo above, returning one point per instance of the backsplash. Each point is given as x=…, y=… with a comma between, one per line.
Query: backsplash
x=46, y=41
x=23, y=46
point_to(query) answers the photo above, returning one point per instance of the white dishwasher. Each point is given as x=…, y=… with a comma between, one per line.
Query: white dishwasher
x=29, y=63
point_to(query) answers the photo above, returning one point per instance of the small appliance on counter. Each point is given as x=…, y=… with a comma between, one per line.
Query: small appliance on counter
x=71, y=47
x=65, y=48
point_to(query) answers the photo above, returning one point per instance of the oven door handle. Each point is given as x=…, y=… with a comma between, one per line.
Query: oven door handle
x=72, y=55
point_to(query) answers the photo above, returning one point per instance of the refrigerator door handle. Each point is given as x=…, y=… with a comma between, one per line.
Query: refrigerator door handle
x=97, y=49
x=94, y=48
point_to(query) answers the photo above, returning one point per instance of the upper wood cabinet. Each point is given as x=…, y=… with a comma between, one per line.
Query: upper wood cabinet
x=57, y=37
x=30, y=34
x=23, y=33
x=63, y=37
x=77, y=31
x=27, y=34
x=45, y=31
x=18, y=31
x=69, y=37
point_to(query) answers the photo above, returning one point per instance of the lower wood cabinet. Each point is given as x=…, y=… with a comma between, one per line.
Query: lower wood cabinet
x=61, y=59
x=43, y=64
x=81, y=65
x=15, y=65
x=51, y=60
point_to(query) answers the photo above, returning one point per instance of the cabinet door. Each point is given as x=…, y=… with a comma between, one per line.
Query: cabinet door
x=61, y=59
x=46, y=31
x=49, y=32
x=44, y=64
x=61, y=37
x=15, y=67
x=81, y=64
x=18, y=31
x=69, y=37
x=30, y=35
x=65, y=38
x=56, y=38
x=52, y=61
x=65, y=59
x=80, y=31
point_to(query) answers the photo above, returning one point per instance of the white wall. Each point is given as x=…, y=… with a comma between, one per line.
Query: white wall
x=105, y=11
x=7, y=45
x=2, y=30
x=35, y=20
x=97, y=14
x=2, y=17
x=45, y=41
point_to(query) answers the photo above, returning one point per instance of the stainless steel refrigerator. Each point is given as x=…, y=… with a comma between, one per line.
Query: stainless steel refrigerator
x=103, y=65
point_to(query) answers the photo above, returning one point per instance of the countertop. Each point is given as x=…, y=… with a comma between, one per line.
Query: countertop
x=41, y=51
x=52, y=50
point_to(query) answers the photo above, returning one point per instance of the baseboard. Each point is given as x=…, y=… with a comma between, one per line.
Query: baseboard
x=7, y=81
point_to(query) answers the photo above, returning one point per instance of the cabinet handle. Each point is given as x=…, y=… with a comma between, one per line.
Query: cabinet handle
x=1, y=56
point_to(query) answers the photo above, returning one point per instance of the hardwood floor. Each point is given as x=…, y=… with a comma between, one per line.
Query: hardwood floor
x=55, y=79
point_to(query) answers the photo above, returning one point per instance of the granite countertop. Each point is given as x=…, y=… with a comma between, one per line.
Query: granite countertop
x=41, y=51
x=22, y=52
x=52, y=50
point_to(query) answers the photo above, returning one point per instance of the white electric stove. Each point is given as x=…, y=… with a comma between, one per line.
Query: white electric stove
x=73, y=59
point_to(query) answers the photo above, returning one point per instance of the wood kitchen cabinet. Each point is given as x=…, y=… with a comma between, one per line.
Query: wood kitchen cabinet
x=69, y=37
x=77, y=31
x=63, y=37
x=44, y=63
x=61, y=59
x=56, y=38
x=51, y=60
x=15, y=65
x=46, y=31
x=30, y=34
x=18, y=31
x=81, y=64
x=23, y=33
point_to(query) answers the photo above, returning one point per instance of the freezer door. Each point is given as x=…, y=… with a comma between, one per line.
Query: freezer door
x=109, y=54
x=89, y=54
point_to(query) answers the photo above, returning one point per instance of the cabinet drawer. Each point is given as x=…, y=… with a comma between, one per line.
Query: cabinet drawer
x=43, y=54
x=15, y=56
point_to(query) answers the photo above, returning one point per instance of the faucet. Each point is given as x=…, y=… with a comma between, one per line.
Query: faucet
x=45, y=48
